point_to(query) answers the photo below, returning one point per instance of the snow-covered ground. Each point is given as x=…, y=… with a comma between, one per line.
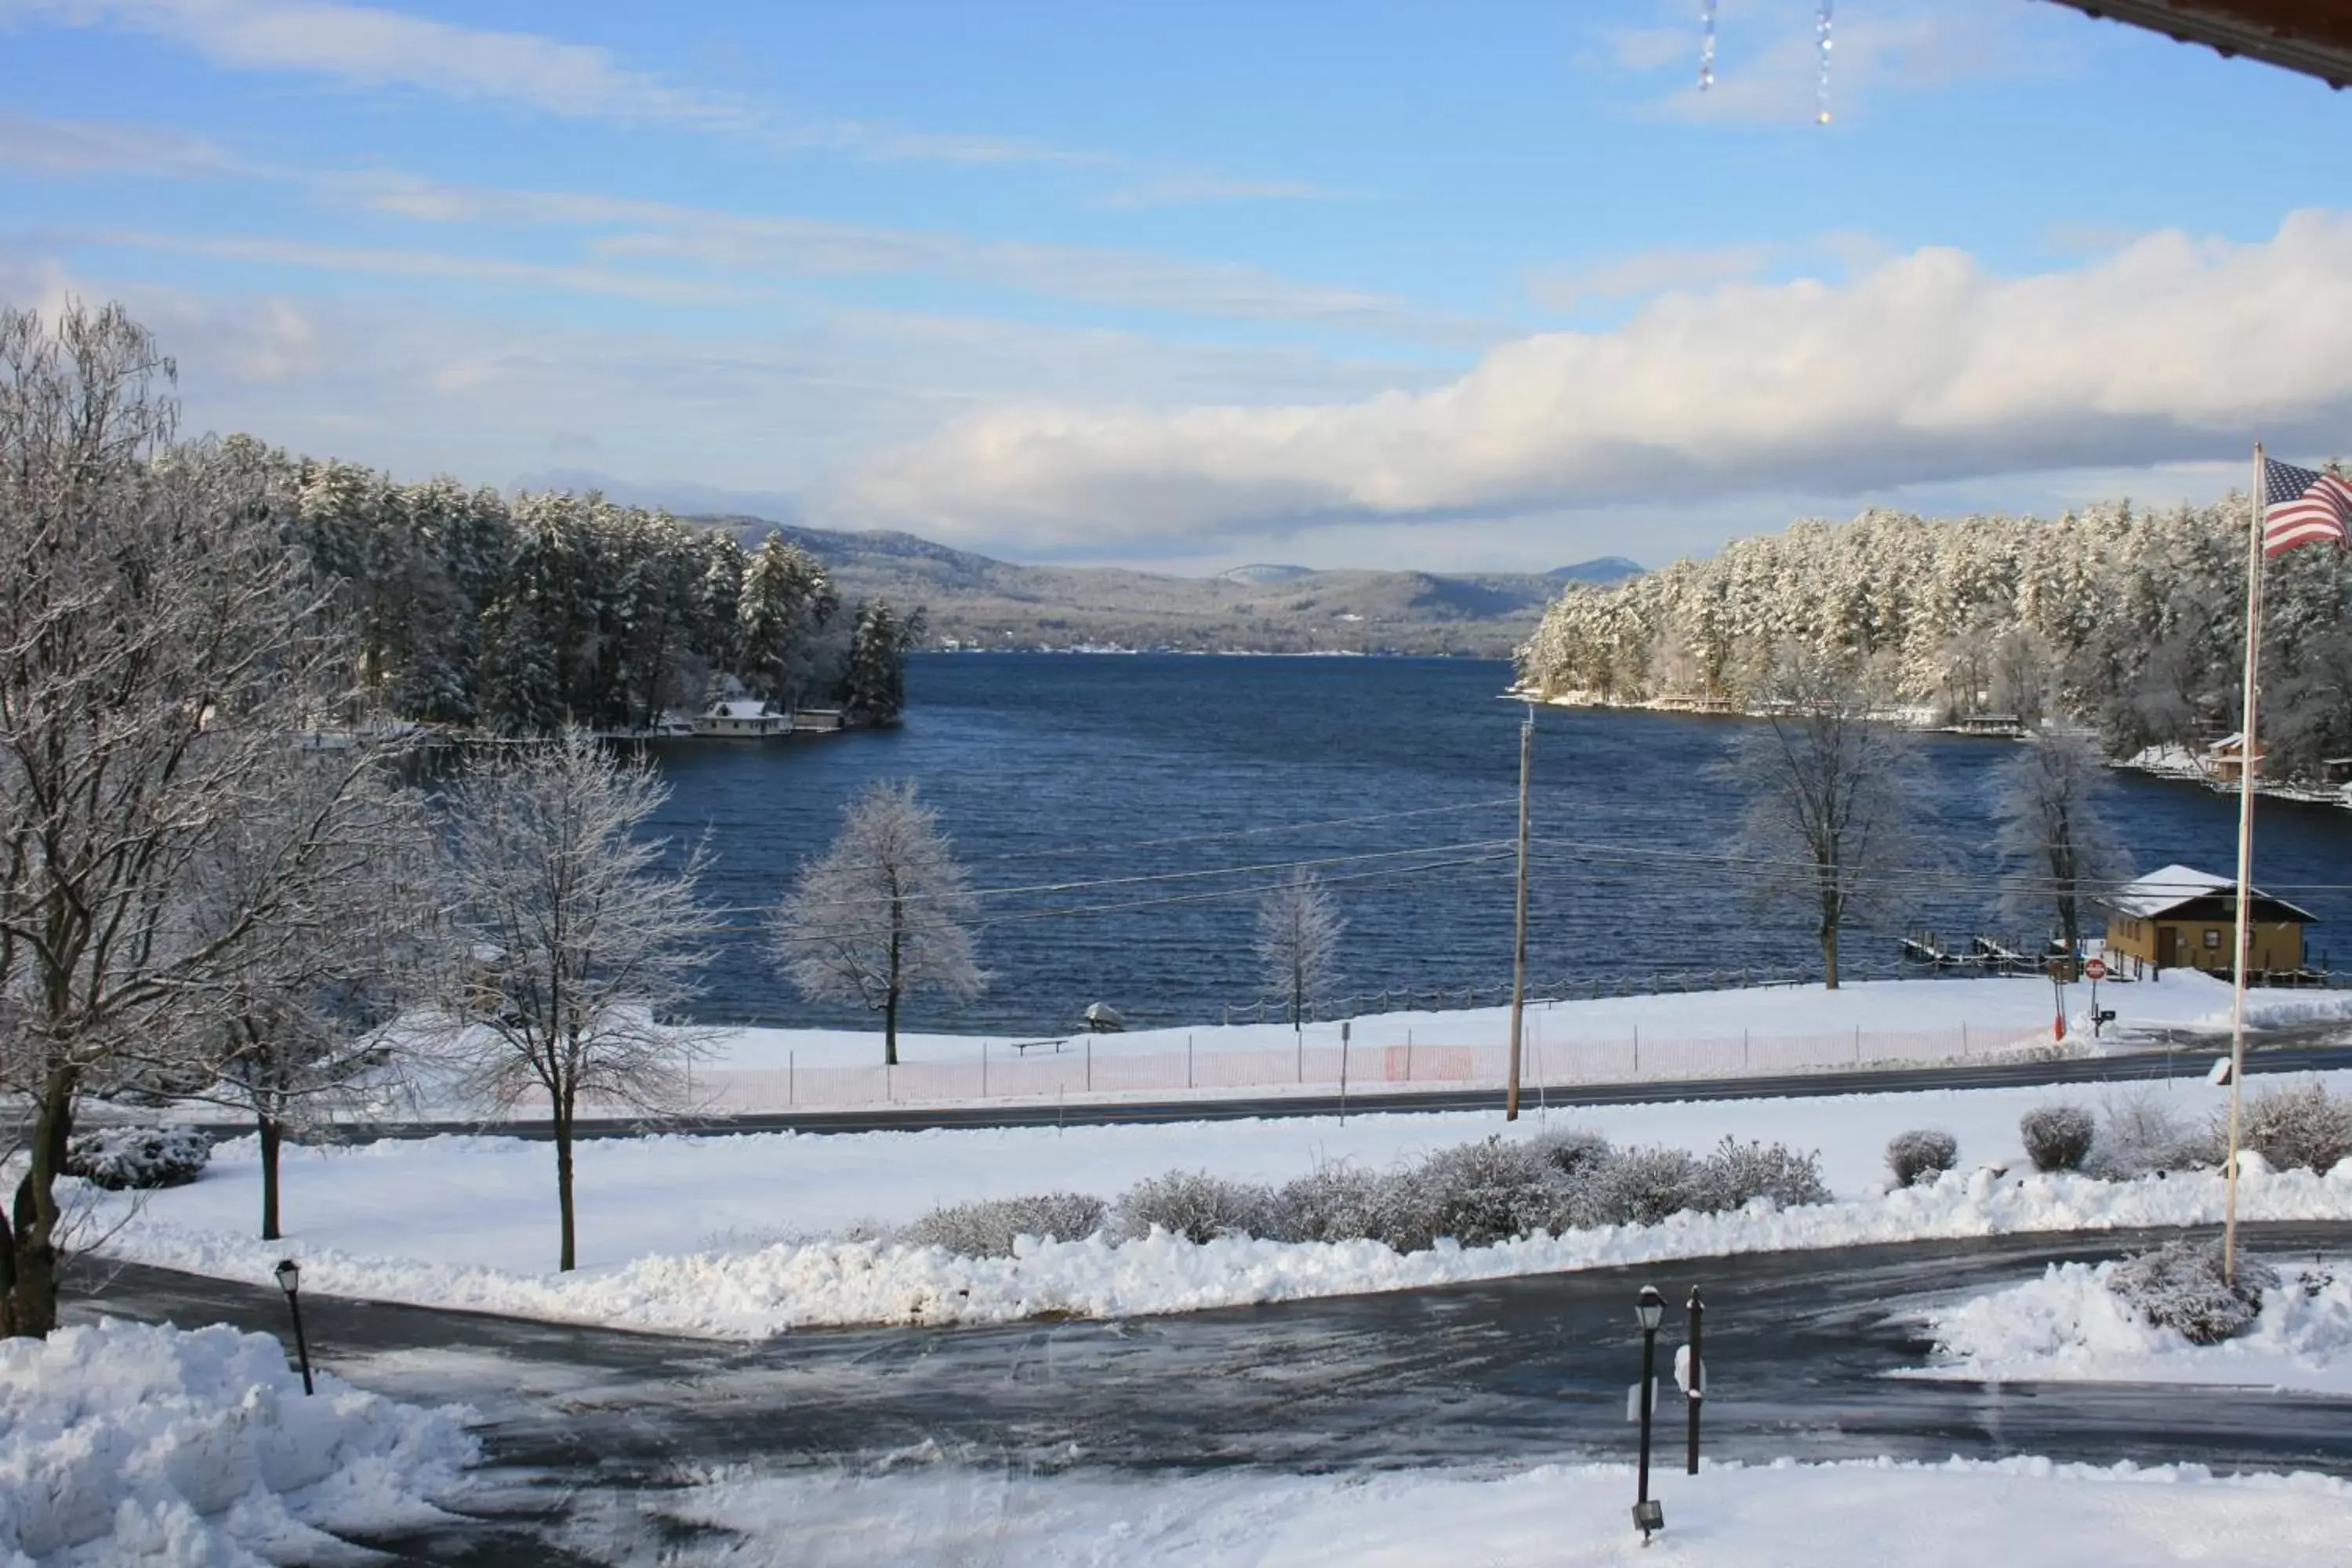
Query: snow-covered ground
x=124, y=1442
x=2021, y=1513
x=729, y=1236
x=2068, y=1326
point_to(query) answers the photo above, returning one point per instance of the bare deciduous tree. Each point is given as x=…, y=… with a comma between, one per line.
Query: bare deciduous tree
x=570, y=946
x=160, y=649
x=881, y=914
x=308, y=1022
x=1299, y=932
x=1832, y=792
x=2055, y=847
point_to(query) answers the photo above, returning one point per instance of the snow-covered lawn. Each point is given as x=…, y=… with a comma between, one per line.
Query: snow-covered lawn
x=123, y=1442
x=2068, y=1326
x=728, y=1236
x=2019, y=1513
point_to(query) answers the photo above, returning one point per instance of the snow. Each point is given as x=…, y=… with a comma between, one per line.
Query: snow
x=2068, y=1326
x=126, y=1442
x=743, y=1237
x=2021, y=1513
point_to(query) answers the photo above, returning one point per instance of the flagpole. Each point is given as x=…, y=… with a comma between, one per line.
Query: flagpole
x=2249, y=758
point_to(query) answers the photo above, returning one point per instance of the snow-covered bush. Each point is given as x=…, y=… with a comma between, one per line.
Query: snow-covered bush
x=986, y=1228
x=1478, y=1193
x=1735, y=1173
x=121, y=1157
x=2180, y=1286
x=1196, y=1206
x=1573, y=1151
x=2306, y=1128
x=2057, y=1137
x=1921, y=1156
x=2139, y=1132
x=1637, y=1186
x=1336, y=1201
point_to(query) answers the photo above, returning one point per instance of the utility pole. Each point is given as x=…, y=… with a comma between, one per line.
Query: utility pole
x=1519, y=940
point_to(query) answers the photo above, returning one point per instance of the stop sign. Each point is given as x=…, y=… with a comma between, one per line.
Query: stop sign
x=2096, y=970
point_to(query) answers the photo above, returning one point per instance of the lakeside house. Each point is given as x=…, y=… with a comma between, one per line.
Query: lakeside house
x=742, y=717
x=2181, y=917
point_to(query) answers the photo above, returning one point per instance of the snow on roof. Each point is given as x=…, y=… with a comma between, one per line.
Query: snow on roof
x=739, y=708
x=2145, y=897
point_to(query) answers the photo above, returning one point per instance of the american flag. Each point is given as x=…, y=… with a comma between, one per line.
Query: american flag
x=2302, y=507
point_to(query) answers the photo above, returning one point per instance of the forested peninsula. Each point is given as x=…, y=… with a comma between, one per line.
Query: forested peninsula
x=522, y=616
x=2130, y=621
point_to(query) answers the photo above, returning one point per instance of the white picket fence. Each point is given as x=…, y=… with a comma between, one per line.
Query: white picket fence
x=1082, y=1069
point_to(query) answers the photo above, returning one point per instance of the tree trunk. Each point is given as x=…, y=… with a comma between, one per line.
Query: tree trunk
x=29, y=1305
x=1829, y=958
x=890, y=999
x=270, y=1131
x=569, y=1257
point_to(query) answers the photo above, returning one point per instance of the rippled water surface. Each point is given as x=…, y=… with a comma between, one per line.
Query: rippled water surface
x=1056, y=769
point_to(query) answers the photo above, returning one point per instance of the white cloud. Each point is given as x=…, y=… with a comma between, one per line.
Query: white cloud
x=1195, y=189
x=1923, y=368
x=1648, y=272
x=385, y=262
x=72, y=148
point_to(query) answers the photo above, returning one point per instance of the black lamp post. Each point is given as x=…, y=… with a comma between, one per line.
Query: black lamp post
x=1649, y=1310
x=1696, y=1394
x=289, y=1280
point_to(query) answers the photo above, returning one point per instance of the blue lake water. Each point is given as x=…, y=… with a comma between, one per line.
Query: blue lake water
x=1058, y=769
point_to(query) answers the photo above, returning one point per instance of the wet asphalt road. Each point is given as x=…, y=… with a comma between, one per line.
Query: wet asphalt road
x=1517, y=1371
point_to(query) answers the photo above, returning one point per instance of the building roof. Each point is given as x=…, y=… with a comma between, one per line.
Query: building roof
x=741, y=707
x=2313, y=37
x=2146, y=898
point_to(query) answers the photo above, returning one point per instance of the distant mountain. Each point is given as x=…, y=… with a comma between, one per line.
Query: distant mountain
x=976, y=601
x=1607, y=569
x=1266, y=573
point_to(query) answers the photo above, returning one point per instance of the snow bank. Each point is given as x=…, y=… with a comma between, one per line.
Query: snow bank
x=2069, y=1326
x=770, y=1289
x=122, y=1442
x=2021, y=1513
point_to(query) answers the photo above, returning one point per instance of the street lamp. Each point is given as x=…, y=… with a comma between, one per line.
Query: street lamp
x=289, y=1280
x=1649, y=1310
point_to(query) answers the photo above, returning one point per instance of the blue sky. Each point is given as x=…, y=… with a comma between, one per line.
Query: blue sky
x=1461, y=285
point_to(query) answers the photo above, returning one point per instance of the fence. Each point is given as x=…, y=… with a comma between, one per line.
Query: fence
x=1323, y=1066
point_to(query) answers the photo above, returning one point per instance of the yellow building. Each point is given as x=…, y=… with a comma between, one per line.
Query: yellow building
x=2181, y=917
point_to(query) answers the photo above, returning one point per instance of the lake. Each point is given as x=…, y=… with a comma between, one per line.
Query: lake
x=1162, y=781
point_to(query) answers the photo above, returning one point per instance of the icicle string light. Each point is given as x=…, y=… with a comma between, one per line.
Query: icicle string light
x=1822, y=87
x=1705, y=44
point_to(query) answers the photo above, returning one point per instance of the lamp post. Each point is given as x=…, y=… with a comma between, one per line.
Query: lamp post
x=289, y=1280
x=1649, y=1310
x=1695, y=1390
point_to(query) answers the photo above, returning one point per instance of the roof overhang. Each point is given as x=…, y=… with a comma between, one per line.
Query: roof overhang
x=2313, y=37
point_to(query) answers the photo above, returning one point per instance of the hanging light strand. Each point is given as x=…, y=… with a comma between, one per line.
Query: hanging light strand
x=1821, y=21
x=1705, y=44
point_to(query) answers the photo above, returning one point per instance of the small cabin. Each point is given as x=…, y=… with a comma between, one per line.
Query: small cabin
x=2226, y=759
x=742, y=716
x=2181, y=917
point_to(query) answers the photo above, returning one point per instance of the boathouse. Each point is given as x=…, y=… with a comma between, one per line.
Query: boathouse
x=2181, y=917
x=744, y=716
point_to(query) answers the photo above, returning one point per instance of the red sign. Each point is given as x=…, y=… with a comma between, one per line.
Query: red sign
x=2096, y=970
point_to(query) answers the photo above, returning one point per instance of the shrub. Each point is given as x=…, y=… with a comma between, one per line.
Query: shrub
x=1196, y=1206
x=987, y=1228
x=1735, y=1173
x=122, y=1157
x=1478, y=1193
x=1921, y=1156
x=2180, y=1286
x=1335, y=1201
x=2139, y=1132
x=2057, y=1137
x=1574, y=1153
x=2306, y=1127
x=1637, y=1186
